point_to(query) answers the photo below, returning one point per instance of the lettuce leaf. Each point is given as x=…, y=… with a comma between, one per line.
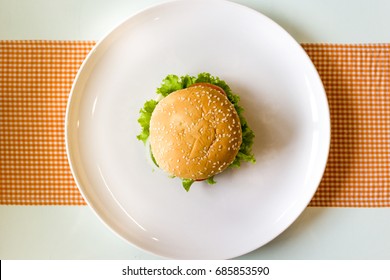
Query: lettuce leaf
x=173, y=83
x=144, y=119
x=211, y=180
x=187, y=183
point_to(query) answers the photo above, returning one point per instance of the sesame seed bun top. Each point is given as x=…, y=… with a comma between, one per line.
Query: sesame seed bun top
x=195, y=132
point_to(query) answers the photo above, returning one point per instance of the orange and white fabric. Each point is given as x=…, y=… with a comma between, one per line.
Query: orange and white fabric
x=35, y=80
x=36, y=77
x=357, y=83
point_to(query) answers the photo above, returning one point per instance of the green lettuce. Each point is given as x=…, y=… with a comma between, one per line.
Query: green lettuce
x=144, y=119
x=187, y=183
x=173, y=83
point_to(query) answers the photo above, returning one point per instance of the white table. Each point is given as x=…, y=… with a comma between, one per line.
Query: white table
x=72, y=232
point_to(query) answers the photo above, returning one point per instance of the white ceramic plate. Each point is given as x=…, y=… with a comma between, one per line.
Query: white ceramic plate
x=285, y=105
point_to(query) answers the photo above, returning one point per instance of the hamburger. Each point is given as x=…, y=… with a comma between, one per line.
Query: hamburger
x=195, y=129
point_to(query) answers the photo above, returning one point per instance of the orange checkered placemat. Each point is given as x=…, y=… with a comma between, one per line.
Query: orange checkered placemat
x=35, y=80
x=357, y=83
x=36, y=77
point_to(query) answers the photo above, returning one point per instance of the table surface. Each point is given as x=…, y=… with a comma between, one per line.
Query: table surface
x=74, y=232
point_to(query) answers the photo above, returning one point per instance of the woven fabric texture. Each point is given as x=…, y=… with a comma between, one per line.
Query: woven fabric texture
x=36, y=78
